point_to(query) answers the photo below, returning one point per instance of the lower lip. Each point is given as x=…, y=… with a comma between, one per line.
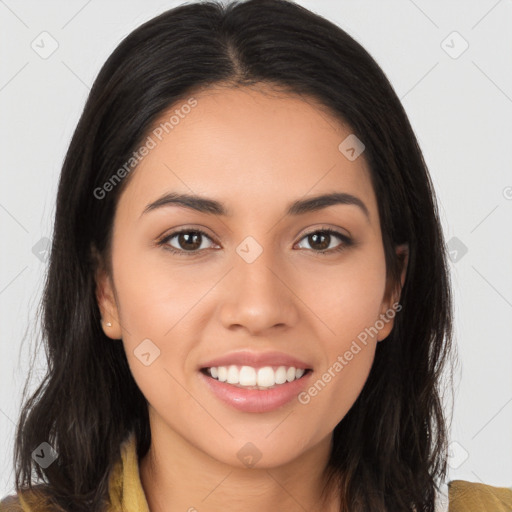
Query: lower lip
x=254, y=400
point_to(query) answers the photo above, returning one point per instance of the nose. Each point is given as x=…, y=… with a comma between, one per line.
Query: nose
x=259, y=296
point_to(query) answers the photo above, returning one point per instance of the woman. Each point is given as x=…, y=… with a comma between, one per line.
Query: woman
x=248, y=301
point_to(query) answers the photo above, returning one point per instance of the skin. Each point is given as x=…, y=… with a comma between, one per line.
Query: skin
x=255, y=150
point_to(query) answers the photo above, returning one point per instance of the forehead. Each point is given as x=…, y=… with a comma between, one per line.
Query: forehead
x=257, y=147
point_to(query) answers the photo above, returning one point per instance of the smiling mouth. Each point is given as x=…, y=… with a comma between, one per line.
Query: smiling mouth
x=248, y=377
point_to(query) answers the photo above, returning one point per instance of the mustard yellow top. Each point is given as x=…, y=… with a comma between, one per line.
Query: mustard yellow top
x=127, y=495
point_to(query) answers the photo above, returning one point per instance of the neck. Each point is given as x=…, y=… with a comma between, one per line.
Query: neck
x=198, y=483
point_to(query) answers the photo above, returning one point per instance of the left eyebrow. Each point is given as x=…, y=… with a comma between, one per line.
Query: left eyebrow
x=214, y=207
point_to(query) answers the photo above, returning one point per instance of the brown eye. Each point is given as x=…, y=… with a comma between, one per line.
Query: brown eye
x=189, y=240
x=320, y=241
x=186, y=240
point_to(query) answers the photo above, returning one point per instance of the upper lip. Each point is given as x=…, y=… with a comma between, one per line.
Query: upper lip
x=256, y=359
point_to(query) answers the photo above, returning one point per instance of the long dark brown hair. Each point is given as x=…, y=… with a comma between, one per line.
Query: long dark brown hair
x=390, y=450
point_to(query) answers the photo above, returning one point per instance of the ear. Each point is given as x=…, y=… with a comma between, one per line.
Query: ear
x=392, y=295
x=106, y=300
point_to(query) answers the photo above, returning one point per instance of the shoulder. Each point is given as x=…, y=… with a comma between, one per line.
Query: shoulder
x=11, y=504
x=467, y=496
x=28, y=500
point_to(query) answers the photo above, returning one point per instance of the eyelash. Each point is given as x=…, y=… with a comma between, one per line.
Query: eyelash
x=346, y=241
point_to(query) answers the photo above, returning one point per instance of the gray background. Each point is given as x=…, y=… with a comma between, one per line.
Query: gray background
x=459, y=103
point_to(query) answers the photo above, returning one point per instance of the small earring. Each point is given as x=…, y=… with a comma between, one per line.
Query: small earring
x=108, y=324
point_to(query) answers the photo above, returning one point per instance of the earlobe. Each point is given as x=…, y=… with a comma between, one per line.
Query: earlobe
x=107, y=305
x=392, y=295
x=403, y=252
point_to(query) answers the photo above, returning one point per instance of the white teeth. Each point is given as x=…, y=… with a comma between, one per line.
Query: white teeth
x=222, y=373
x=264, y=377
x=247, y=376
x=280, y=375
x=232, y=375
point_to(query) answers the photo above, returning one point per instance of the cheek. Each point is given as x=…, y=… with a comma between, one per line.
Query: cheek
x=334, y=390
x=350, y=307
x=154, y=304
x=348, y=358
x=347, y=295
x=153, y=294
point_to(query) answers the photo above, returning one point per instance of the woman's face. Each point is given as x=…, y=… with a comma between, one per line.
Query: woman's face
x=262, y=288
